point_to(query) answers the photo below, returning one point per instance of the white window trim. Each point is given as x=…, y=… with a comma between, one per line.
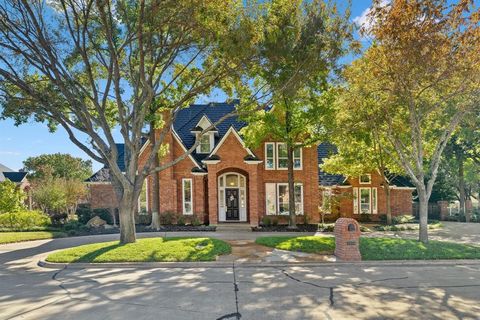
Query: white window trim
x=369, y=179
x=374, y=203
x=327, y=194
x=274, y=155
x=211, y=138
x=277, y=199
x=274, y=199
x=369, y=200
x=278, y=144
x=355, y=201
x=183, y=196
x=139, y=209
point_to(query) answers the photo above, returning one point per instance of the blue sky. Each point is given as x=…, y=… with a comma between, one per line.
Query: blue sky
x=32, y=139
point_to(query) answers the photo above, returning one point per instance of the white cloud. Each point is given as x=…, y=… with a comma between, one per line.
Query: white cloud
x=363, y=20
x=10, y=153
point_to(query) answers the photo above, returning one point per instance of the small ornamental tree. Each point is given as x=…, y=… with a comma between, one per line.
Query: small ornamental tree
x=58, y=165
x=12, y=199
x=303, y=43
x=420, y=77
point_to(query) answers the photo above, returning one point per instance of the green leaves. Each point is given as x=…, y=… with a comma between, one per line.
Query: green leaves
x=11, y=197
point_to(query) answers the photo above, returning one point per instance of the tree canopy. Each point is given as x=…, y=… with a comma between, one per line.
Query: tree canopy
x=57, y=165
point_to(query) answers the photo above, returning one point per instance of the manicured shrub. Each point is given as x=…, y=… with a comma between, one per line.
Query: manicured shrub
x=181, y=221
x=365, y=217
x=405, y=218
x=266, y=221
x=167, y=218
x=195, y=221
x=24, y=220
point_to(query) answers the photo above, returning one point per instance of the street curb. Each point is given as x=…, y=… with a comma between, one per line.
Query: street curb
x=187, y=265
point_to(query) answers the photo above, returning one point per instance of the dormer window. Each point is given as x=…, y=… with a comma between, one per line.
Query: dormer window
x=207, y=140
x=205, y=145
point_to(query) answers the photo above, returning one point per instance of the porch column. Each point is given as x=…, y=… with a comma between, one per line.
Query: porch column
x=253, y=191
x=212, y=194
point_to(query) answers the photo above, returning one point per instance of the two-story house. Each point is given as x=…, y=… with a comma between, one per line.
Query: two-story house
x=225, y=181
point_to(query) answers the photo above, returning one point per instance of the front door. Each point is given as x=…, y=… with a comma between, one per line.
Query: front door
x=231, y=199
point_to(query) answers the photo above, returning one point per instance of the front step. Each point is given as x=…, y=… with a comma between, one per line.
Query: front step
x=232, y=227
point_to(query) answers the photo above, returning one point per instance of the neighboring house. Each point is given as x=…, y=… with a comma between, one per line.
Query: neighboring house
x=19, y=178
x=224, y=181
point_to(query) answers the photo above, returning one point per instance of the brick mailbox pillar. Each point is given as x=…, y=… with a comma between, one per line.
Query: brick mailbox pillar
x=347, y=238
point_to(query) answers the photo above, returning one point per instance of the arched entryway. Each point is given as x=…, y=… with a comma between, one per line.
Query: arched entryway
x=232, y=197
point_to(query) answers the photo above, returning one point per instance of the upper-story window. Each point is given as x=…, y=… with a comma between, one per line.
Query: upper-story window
x=365, y=179
x=207, y=140
x=270, y=155
x=276, y=156
x=205, y=145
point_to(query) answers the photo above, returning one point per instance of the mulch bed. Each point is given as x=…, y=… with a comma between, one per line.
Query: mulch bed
x=140, y=229
x=175, y=228
x=284, y=228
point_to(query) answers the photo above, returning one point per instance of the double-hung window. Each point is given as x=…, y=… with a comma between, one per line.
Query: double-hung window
x=187, y=196
x=365, y=200
x=277, y=198
x=205, y=145
x=270, y=156
x=277, y=157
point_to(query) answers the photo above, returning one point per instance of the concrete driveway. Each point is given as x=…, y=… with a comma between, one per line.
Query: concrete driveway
x=321, y=291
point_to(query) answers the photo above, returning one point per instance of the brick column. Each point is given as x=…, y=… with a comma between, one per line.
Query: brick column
x=212, y=194
x=253, y=191
x=443, y=206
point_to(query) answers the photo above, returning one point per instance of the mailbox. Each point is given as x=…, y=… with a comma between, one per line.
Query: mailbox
x=347, y=238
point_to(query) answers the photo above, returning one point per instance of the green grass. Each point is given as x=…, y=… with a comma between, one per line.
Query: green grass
x=378, y=248
x=145, y=250
x=311, y=244
x=409, y=249
x=10, y=237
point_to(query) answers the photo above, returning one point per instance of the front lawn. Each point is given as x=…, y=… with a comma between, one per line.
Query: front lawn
x=311, y=244
x=378, y=248
x=145, y=250
x=10, y=237
x=409, y=249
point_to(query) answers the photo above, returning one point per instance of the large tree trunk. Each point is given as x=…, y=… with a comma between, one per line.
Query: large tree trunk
x=292, y=224
x=423, y=214
x=127, y=209
x=155, y=186
x=388, y=195
x=461, y=186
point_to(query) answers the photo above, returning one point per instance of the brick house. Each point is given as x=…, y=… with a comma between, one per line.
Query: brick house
x=225, y=181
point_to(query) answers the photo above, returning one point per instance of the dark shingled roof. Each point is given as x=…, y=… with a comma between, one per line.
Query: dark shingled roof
x=188, y=118
x=400, y=181
x=15, y=176
x=103, y=175
x=325, y=150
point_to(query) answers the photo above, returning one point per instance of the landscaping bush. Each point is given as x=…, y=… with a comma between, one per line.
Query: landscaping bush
x=365, y=217
x=405, y=218
x=85, y=213
x=266, y=221
x=144, y=219
x=73, y=225
x=196, y=221
x=181, y=221
x=24, y=220
x=167, y=218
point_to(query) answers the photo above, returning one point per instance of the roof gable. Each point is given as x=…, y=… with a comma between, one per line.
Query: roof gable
x=231, y=131
x=187, y=119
